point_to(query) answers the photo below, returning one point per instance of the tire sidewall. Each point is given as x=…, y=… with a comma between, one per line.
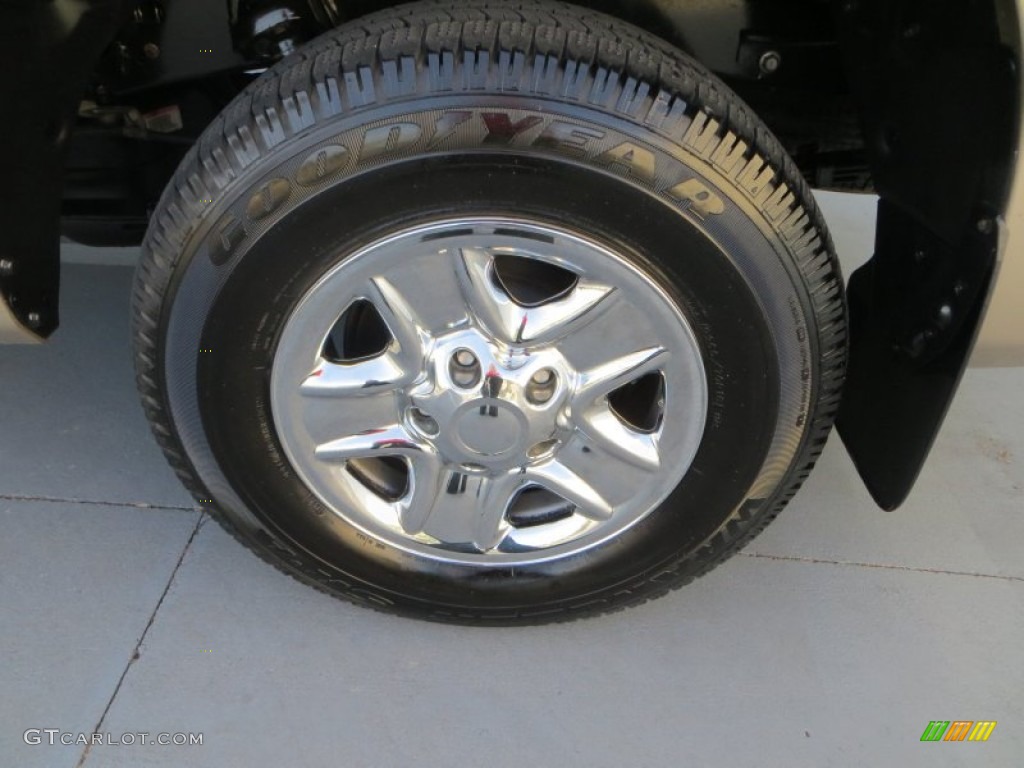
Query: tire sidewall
x=749, y=313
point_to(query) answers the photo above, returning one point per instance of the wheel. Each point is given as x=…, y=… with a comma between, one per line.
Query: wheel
x=490, y=312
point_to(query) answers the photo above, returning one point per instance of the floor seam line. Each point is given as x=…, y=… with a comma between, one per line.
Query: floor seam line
x=61, y=500
x=135, y=655
x=883, y=566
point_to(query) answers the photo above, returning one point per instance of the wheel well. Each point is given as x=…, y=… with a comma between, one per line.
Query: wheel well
x=169, y=72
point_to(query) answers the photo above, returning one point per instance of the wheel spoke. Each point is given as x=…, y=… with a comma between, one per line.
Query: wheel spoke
x=366, y=377
x=558, y=478
x=599, y=382
x=392, y=440
x=402, y=321
x=458, y=507
x=397, y=366
x=595, y=417
x=602, y=426
x=425, y=477
x=490, y=525
x=514, y=323
x=325, y=419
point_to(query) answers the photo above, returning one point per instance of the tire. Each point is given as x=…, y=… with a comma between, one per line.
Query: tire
x=537, y=122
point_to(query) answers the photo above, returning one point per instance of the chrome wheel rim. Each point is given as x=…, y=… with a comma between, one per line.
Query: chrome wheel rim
x=489, y=391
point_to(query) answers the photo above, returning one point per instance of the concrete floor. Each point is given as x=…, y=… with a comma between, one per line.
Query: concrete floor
x=831, y=641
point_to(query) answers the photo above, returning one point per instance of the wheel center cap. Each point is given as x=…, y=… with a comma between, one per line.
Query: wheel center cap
x=490, y=428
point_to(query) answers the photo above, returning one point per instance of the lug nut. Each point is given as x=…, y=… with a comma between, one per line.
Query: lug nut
x=464, y=369
x=770, y=62
x=542, y=386
x=542, y=450
x=543, y=377
x=424, y=422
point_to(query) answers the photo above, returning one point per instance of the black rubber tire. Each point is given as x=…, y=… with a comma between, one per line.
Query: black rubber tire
x=589, y=120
